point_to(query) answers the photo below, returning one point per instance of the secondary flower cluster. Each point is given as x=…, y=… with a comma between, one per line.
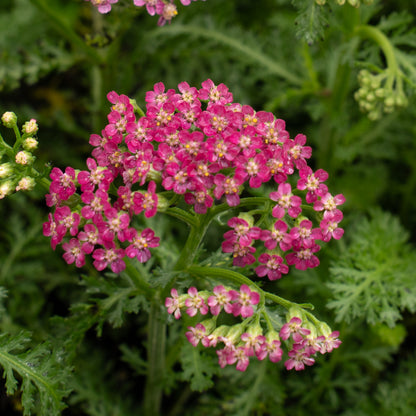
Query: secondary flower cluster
x=199, y=145
x=16, y=173
x=299, y=242
x=165, y=9
x=241, y=341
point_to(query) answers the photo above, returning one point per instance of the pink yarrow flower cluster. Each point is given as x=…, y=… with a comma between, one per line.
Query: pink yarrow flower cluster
x=165, y=9
x=239, y=343
x=199, y=144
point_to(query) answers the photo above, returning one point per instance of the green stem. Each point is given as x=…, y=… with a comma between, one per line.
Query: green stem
x=6, y=148
x=382, y=40
x=219, y=273
x=244, y=202
x=182, y=215
x=156, y=359
x=195, y=237
x=235, y=277
x=19, y=138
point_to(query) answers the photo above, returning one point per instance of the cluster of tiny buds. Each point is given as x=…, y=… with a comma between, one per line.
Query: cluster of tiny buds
x=378, y=95
x=247, y=339
x=165, y=9
x=353, y=3
x=16, y=172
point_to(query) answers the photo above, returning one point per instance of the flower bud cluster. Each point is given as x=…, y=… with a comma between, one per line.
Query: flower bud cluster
x=379, y=93
x=165, y=9
x=16, y=172
x=203, y=147
x=236, y=344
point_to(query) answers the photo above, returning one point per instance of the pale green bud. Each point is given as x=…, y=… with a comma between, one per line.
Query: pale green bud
x=379, y=92
x=24, y=158
x=6, y=188
x=30, y=144
x=30, y=127
x=9, y=119
x=26, y=184
x=235, y=333
x=6, y=170
x=389, y=101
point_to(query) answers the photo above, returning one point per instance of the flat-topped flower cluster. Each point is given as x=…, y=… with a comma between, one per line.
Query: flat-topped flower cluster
x=200, y=145
x=165, y=9
x=238, y=343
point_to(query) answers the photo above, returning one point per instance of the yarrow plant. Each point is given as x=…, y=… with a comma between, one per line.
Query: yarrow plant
x=185, y=242
x=196, y=154
x=165, y=9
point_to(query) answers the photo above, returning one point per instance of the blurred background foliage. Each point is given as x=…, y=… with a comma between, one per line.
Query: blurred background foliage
x=59, y=59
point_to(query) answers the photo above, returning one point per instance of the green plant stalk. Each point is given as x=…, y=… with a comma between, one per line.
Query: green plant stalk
x=157, y=323
x=195, y=237
x=6, y=147
x=156, y=346
x=375, y=34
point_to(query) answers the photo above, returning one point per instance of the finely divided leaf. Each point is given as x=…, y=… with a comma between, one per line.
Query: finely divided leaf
x=198, y=368
x=42, y=379
x=374, y=276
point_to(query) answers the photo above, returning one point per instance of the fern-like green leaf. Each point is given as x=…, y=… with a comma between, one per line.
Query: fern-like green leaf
x=198, y=368
x=114, y=297
x=374, y=276
x=41, y=378
x=311, y=20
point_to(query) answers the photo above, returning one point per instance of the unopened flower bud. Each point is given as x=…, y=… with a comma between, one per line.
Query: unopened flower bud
x=9, y=119
x=235, y=332
x=30, y=144
x=209, y=324
x=6, y=169
x=30, y=127
x=272, y=336
x=24, y=158
x=162, y=203
x=26, y=184
x=324, y=329
x=6, y=188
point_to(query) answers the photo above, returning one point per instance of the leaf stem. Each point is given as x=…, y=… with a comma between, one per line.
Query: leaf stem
x=382, y=40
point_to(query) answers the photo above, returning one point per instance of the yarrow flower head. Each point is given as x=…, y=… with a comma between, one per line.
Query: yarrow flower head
x=200, y=146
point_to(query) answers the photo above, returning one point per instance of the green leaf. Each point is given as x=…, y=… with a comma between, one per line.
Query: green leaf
x=374, y=276
x=198, y=367
x=114, y=298
x=43, y=381
x=311, y=20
